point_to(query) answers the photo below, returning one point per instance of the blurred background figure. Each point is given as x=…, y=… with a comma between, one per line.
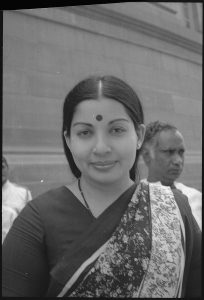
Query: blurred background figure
x=14, y=198
x=163, y=153
x=8, y=216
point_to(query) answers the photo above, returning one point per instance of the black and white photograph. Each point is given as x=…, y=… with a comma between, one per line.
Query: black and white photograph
x=102, y=150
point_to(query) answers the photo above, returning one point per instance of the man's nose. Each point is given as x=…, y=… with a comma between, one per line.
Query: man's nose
x=177, y=159
x=101, y=146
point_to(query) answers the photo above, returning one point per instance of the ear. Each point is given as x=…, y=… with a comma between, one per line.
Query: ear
x=140, y=134
x=146, y=155
x=67, y=139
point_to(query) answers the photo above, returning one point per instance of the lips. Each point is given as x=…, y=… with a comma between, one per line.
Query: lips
x=174, y=171
x=103, y=164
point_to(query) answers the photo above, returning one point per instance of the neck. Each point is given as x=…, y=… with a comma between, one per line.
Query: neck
x=163, y=182
x=105, y=192
x=4, y=183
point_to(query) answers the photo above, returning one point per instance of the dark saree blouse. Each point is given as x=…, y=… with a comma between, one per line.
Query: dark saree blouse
x=56, y=234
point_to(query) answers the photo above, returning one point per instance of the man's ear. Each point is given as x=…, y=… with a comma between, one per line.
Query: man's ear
x=146, y=155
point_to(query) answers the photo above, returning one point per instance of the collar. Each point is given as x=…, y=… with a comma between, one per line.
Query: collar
x=171, y=186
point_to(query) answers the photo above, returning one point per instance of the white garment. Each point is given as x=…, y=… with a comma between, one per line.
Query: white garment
x=195, y=200
x=14, y=198
x=8, y=216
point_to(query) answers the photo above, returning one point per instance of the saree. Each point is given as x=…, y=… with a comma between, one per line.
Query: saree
x=133, y=249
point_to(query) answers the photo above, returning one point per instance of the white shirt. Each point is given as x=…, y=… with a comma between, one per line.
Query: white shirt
x=8, y=216
x=195, y=200
x=14, y=198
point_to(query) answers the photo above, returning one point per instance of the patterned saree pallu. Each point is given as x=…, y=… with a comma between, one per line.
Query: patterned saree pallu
x=164, y=276
x=143, y=257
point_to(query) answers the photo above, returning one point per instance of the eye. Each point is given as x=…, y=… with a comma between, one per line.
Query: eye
x=118, y=130
x=170, y=152
x=84, y=133
x=181, y=152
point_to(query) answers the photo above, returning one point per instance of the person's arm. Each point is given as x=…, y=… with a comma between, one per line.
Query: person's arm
x=24, y=263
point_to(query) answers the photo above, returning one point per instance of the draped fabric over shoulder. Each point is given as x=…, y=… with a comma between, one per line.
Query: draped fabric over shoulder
x=135, y=248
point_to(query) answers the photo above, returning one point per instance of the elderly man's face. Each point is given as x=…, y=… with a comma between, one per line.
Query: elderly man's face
x=4, y=171
x=167, y=159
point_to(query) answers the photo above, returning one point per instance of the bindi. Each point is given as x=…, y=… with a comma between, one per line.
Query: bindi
x=99, y=117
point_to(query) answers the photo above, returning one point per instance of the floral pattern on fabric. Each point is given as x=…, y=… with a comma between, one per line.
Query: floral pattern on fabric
x=129, y=265
x=119, y=270
x=164, y=272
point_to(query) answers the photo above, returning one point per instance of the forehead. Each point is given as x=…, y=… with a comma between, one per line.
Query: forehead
x=107, y=108
x=170, y=139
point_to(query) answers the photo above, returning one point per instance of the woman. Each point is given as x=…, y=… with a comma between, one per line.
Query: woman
x=105, y=234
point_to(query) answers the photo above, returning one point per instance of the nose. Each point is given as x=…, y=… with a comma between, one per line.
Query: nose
x=101, y=146
x=177, y=160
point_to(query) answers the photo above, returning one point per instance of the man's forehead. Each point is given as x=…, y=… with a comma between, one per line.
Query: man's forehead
x=170, y=139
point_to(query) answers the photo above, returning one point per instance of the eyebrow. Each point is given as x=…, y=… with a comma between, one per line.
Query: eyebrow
x=82, y=123
x=173, y=149
x=90, y=125
x=118, y=120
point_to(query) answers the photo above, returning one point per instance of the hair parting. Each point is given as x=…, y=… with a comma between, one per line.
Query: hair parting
x=99, y=88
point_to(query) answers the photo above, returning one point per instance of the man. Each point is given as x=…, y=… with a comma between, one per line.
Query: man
x=163, y=152
x=14, y=198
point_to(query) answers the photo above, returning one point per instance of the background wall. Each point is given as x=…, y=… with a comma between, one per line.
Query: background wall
x=156, y=47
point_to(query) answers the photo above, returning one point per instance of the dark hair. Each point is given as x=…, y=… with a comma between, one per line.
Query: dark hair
x=111, y=87
x=156, y=127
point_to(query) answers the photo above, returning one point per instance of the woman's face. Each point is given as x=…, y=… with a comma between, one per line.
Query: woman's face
x=103, y=140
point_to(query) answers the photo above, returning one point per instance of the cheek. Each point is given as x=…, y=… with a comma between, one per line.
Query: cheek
x=161, y=162
x=128, y=148
x=165, y=163
x=79, y=150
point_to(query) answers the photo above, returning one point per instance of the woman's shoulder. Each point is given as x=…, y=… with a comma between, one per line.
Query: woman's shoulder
x=52, y=198
x=52, y=206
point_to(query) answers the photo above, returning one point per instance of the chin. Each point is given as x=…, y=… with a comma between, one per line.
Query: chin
x=108, y=178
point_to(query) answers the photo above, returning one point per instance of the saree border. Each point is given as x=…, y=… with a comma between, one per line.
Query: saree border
x=81, y=269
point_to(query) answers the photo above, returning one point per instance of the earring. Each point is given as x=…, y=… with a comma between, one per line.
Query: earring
x=138, y=146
